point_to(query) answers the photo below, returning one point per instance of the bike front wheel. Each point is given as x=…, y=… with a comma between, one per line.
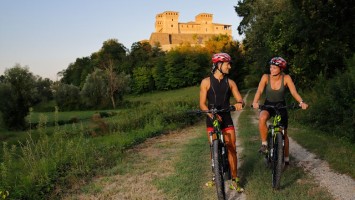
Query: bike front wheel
x=218, y=169
x=277, y=160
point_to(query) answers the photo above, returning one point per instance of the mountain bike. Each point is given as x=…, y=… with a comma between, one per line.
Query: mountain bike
x=219, y=161
x=274, y=158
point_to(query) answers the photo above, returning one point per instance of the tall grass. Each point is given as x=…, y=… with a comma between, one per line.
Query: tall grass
x=59, y=157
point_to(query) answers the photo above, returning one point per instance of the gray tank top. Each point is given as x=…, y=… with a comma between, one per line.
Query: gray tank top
x=275, y=95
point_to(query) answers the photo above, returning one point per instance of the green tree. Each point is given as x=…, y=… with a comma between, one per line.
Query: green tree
x=142, y=80
x=117, y=84
x=123, y=86
x=144, y=59
x=17, y=93
x=44, y=90
x=94, y=92
x=305, y=32
x=218, y=43
x=111, y=52
x=76, y=72
x=159, y=74
x=174, y=67
x=67, y=96
x=103, y=88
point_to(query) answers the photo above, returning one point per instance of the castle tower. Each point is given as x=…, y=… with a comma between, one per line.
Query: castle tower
x=205, y=21
x=167, y=22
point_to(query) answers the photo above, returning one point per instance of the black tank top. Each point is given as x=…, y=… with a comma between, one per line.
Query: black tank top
x=219, y=93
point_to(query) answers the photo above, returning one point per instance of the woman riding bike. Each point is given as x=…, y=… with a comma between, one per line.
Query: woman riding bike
x=275, y=84
x=217, y=90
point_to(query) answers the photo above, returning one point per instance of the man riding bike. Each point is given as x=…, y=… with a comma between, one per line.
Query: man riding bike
x=216, y=90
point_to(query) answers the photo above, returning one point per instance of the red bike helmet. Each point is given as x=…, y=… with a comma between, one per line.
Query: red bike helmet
x=278, y=61
x=221, y=57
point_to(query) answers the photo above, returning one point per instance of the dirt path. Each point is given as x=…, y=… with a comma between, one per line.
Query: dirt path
x=142, y=164
x=230, y=193
x=153, y=159
x=339, y=185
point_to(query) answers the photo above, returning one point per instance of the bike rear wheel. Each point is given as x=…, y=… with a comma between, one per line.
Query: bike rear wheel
x=278, y=155
x=218, y=169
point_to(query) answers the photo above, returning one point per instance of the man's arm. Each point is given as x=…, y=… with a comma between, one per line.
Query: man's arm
x=236, y=94
x=203, y=95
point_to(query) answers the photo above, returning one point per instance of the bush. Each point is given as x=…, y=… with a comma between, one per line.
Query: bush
x=332, y=104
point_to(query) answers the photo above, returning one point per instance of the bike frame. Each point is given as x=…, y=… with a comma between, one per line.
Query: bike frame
x=219, y=161
x=272, y=130
x=220, y=137
x=274, y=154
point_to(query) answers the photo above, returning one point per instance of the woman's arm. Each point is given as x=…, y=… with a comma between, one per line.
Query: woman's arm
x=291, y=86
x=259, y=91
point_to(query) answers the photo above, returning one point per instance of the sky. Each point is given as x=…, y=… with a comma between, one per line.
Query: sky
x=46, y=36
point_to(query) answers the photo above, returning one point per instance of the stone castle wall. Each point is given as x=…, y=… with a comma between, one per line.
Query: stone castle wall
x=169, y=32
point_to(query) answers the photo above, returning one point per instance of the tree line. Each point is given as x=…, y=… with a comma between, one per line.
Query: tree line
x=314, y=36
x=100, y=80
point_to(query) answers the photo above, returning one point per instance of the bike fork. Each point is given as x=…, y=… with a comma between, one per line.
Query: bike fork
x=211, y=150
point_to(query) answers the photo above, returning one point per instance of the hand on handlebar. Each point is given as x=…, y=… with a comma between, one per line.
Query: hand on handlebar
x=238, y=106
x=303, y=105
x=255, y=105
x=219, y=118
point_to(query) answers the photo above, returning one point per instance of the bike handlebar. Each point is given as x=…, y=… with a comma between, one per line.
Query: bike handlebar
x=215, y=110
x=279, y=106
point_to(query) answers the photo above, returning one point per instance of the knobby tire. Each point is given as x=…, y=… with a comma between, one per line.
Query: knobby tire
x=217, y=169
x=277, y=161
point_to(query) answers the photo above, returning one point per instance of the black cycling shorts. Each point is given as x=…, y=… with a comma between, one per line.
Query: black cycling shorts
x=283, y=112
x=226, y=123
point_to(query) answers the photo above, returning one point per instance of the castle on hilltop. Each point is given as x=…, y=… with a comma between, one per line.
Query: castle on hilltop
x=169, y=32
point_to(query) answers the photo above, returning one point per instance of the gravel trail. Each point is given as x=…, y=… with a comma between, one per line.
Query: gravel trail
x=340, y=186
